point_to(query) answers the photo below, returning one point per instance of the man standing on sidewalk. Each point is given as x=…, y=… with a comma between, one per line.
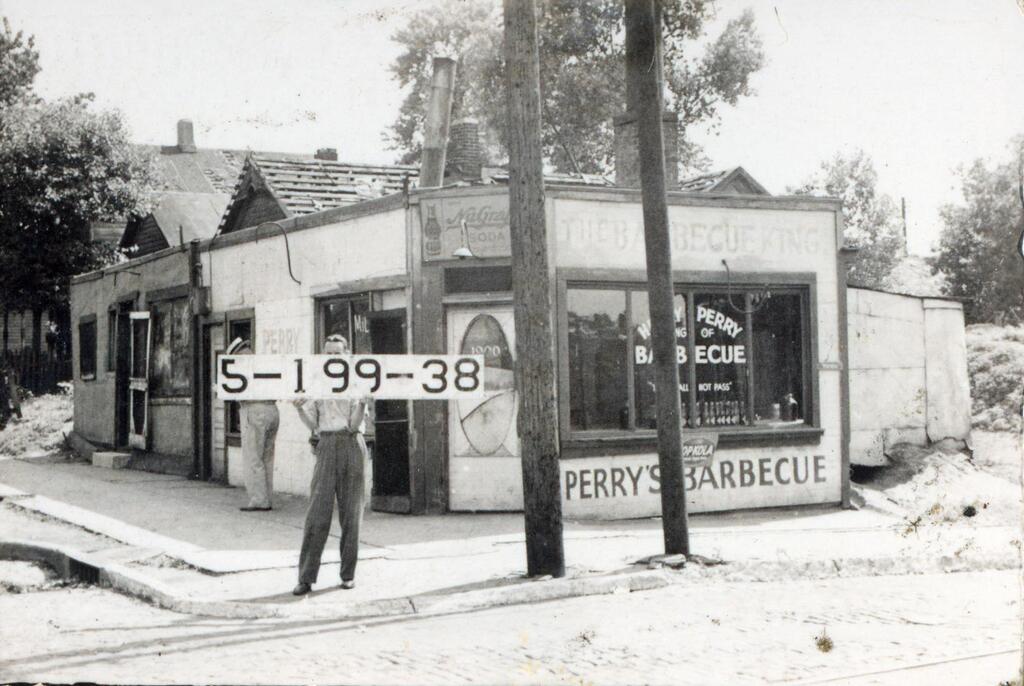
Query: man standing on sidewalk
x=259, y=420
x=337, y=427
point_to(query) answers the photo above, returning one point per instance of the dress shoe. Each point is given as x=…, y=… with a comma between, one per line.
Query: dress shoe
x=300, y=589
x=250, y=508
x=348, y=585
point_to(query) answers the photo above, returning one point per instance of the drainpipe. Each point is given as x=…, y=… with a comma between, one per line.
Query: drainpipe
x=439, y=114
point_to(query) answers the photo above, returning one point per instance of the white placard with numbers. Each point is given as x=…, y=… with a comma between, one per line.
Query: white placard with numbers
x=384, y=377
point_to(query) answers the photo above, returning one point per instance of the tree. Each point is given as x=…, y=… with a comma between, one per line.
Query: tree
x=19, y=64
x=978, y=244
x=62, y=166
x=582, y=73
x=872, y=220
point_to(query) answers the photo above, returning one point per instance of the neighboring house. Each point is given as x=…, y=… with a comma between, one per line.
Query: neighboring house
x=276, y=187
x=177, y=219
x=735, y=181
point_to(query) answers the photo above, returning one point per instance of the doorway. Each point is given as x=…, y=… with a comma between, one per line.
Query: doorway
x=214, y=465
x=122, y=360
x=390, y=466
x=484, y=468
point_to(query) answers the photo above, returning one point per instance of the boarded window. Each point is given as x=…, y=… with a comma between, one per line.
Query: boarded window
x=87, y=349
x=171, y=361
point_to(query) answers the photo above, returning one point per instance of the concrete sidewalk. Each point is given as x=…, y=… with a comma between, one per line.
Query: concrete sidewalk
x=185, y=545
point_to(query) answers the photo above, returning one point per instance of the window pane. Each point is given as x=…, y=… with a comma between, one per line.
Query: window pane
x=642, y=358
x=361, y=325
x=720, y=356
x=335, y=321
x=87, y=349
x=598, y=385
x=778, y=361
x=140, y=353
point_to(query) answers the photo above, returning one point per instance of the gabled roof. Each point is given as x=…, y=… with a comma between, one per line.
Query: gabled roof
x=206, y=170
x=735, y=180
x=302, y=185
x=179, y=217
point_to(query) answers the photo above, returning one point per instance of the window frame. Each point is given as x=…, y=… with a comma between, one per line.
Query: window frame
x=86, y=320
x=585, y=443
x=319, y=305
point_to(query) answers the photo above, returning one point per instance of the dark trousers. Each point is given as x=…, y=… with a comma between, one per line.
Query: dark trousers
x=338, y=475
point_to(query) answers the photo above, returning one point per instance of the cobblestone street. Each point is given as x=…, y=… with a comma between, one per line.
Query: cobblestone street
x=712, y=634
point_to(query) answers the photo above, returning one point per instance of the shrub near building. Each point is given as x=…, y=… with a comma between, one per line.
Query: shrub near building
x=995, y=360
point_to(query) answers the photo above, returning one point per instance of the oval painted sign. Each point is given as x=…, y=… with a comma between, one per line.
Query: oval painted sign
x=486, y=423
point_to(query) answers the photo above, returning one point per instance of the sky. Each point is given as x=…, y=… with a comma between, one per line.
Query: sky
x=922, y=86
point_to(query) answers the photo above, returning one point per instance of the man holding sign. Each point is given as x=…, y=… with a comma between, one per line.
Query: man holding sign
x=337, y=436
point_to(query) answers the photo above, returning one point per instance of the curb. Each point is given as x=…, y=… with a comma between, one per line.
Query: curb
x=71, y=563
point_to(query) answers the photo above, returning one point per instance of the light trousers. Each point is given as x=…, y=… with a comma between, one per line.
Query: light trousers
x=338, y=475
x=259, y=432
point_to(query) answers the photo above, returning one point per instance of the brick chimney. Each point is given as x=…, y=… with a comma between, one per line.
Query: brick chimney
x=627, y=160
x=465, y=153
x=186, y=138
x=329, y=154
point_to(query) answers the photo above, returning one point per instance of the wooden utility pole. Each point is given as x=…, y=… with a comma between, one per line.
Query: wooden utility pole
x=531, y=286
x=643, y=74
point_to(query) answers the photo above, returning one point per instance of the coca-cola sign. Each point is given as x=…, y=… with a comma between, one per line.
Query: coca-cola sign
x=474, y=225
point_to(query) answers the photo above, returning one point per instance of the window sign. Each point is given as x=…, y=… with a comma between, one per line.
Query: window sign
x=643, y=358
x=721, y=359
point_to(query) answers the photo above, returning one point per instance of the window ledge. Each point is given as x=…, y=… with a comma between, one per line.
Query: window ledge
x=622, y=443
x=88, y=377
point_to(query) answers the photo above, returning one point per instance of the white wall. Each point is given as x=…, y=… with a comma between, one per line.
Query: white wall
x=255, y=274
x=609, y=235
x=908, y=372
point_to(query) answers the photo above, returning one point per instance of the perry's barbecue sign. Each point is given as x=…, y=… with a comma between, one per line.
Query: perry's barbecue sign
x=478, y=223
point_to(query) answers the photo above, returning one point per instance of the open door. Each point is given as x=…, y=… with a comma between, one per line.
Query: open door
x=138, y=381
x=215, y=464
x=122, y=372
x=391, y=422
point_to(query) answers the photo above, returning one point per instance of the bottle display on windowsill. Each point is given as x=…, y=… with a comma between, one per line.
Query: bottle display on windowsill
x=786, y=412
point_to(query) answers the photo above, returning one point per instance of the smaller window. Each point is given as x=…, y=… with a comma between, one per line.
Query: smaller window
x=87, y=349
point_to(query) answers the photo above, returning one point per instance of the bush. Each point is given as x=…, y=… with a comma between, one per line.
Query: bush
x=995, y=363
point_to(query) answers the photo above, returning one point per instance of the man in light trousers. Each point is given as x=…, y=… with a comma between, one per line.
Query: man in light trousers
x=337, y=427
x=259, y=420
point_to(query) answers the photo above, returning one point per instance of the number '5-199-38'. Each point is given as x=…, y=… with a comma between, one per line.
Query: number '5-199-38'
x=412, y=376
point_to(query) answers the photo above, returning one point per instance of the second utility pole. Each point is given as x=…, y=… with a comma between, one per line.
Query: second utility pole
x=643, y=74
x=531, y=288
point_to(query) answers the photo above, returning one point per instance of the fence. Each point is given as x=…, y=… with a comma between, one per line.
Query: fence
x=40, y=374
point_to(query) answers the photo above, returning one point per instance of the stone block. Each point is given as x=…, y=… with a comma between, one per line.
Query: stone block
x=111, y=460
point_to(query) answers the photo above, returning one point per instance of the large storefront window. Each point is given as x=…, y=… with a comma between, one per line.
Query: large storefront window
x=746, y=358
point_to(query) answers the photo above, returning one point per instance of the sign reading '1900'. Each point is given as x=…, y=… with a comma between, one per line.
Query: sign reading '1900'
x=384, y=377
